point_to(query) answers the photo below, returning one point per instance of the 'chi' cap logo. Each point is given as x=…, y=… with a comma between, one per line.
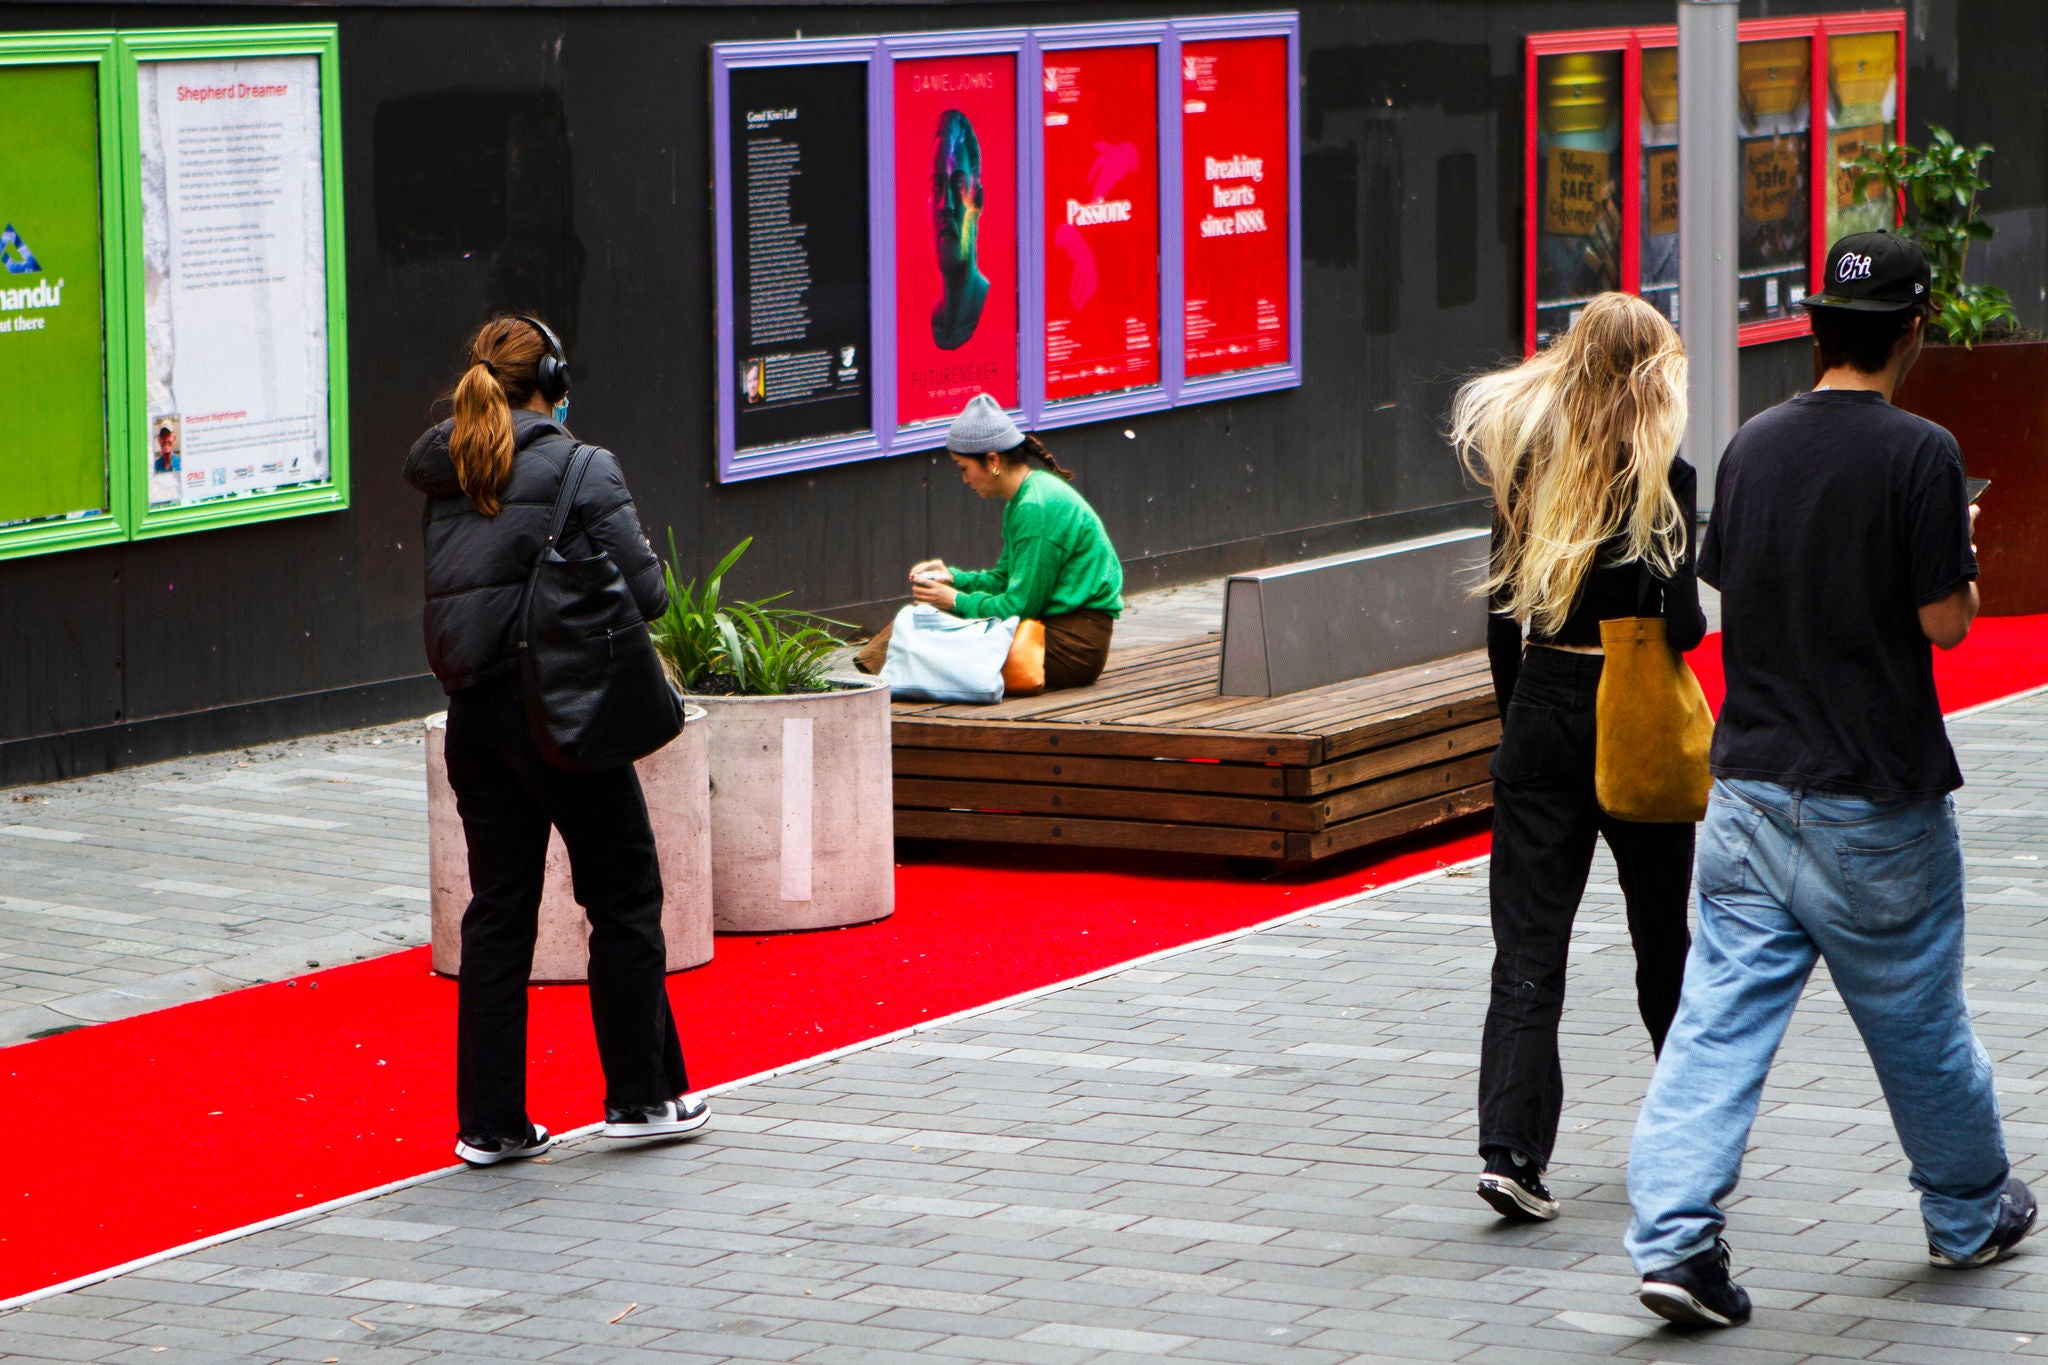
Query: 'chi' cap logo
x=15, y=255
x=1853, y=267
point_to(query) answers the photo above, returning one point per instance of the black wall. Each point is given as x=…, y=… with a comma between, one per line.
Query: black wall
x=557, y=160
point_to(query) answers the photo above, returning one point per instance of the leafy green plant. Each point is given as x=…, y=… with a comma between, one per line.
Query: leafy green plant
x=750, y=648
x=1940, y=185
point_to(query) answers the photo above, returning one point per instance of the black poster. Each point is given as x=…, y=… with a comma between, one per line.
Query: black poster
x=800, y=253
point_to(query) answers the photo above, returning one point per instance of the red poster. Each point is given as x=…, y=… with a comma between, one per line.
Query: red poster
x=1235, y=188
x=1101, y=220
x=956, y=233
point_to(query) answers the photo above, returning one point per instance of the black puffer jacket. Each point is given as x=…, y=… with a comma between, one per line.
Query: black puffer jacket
x=477, y=566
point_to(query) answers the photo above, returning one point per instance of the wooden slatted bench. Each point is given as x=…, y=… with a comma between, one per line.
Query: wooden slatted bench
x=1152, y=757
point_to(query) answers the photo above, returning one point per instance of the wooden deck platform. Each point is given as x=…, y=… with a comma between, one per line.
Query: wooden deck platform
x=1151, y=757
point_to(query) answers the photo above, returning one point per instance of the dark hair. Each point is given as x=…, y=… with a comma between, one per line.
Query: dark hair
x=1032, y=447
x=1862, y=341
x=503, y=372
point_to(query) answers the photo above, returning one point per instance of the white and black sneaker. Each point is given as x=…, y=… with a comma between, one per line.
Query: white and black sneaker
x=1697, y=1292
x=1514, y=1186
x=2016, y=1213
x=670, y=1118
x=489, y=1151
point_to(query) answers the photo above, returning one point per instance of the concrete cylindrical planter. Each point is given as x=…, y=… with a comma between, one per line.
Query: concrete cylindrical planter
x=803, y=818
x=676, y=780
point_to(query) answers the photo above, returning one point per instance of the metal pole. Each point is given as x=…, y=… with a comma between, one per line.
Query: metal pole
x=1709, y=190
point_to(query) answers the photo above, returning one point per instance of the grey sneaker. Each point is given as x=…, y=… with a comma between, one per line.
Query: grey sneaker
x=1514, y=1186
x=479, y=1150
x=671, y=1118
x=2016, y=1212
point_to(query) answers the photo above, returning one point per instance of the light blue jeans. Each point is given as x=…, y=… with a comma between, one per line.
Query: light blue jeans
x=1877, y=890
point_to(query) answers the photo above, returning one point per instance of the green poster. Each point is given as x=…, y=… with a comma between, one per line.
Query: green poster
x=52, y=336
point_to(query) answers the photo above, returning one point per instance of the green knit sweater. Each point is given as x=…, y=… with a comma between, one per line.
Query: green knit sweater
x=1056, y=559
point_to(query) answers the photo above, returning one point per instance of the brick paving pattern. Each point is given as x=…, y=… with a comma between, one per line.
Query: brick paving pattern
x=1256, y=1150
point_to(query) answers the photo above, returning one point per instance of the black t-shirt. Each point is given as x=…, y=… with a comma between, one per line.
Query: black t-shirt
x=1836, y=516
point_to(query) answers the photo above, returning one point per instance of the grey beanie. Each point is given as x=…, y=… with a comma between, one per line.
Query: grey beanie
x=982, y=426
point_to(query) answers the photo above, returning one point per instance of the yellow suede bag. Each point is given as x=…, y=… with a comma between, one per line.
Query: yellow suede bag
x=1652, y=727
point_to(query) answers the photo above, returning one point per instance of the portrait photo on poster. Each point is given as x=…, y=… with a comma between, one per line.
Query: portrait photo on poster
x=1101, y=177
x=1235, y=192
x=956, y=200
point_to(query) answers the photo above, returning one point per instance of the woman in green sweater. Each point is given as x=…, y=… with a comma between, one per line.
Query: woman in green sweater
x=1057, y=564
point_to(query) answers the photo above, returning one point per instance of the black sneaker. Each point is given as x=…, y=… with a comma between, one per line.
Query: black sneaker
x=1697, y=1291
x=489, y=1151
x=1514, y=1186
x=670, y=1118
x=2016, y=1210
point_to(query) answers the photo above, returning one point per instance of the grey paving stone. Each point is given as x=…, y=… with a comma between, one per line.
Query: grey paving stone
x=1254, y=1151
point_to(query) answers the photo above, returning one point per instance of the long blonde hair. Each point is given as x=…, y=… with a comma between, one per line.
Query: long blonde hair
x=502, y=373
x=1575, y=446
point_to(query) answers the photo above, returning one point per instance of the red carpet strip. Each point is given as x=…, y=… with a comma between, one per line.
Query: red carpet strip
x=164, y=1129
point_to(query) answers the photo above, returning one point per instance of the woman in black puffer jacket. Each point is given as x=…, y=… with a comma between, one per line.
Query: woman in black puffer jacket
x=491, y=475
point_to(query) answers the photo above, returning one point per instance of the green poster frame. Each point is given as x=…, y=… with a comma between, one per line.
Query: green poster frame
x=321, y=41
x=97, y=49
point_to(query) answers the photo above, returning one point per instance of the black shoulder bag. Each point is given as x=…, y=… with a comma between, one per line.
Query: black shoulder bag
x=596, y=695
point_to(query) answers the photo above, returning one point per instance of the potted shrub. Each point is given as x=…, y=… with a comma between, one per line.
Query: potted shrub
x=1979, y=375
x=802, y=814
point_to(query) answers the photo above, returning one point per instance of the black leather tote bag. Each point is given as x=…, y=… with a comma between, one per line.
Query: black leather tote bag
x=596, y=695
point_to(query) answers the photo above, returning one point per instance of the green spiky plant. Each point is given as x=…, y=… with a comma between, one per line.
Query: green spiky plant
x=746, y=648
x=1939, y=186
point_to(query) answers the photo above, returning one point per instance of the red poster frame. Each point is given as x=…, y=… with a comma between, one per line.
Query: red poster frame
x=1631, y=43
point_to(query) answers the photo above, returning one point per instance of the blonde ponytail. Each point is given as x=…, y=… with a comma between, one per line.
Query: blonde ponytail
x=504, y=358
x=481, y=442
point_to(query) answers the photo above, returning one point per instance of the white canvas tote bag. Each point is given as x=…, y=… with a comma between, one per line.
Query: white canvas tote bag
x=937, y=656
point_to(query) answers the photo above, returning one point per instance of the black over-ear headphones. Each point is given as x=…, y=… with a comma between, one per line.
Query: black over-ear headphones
x=551, y=374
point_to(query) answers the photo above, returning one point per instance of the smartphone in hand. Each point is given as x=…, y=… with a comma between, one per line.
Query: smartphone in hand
x=1973, y=489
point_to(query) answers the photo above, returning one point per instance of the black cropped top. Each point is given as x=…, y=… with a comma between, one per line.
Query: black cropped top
x=1610, y=590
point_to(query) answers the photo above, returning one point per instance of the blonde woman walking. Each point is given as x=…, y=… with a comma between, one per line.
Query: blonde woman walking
x=1592, y=519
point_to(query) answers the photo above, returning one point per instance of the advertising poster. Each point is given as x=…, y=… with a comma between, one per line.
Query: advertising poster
x=234, y=276
x=1578, y=155
x=1101, y=111
x=52, y=341
x=1234, y=178
x=1774, y=221
x=956, y=233
x=800, y=253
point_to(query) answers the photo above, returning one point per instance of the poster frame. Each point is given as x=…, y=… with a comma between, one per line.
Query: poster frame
x=880, y=52
x=322, y=42
x=1042, y=412
x=734, y=464
x=1631, y=43
x=931, y=433
x=98, y=49
x=1266, y=378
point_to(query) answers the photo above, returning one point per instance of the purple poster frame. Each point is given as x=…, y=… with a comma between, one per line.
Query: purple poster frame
x=931, y=434
x=1265, y=379
x=884, y=438
x=1042, y=414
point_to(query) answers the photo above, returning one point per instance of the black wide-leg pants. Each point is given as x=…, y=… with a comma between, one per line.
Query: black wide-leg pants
x=1545, y=820
x=508, y=798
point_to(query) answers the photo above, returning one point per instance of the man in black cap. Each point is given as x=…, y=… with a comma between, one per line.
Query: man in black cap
x=1840, y=542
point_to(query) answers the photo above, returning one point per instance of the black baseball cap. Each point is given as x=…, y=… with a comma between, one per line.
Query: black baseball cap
x=1873, y=272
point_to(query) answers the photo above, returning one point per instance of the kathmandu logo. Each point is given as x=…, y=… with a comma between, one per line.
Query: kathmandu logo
x=1851, y=267
x=15, y=255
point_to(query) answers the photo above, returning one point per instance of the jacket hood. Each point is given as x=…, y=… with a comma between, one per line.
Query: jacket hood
x=430, y=468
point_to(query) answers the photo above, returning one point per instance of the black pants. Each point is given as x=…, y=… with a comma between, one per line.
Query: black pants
x=1544, y=823
x=508, y=798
